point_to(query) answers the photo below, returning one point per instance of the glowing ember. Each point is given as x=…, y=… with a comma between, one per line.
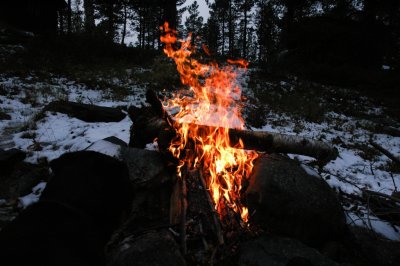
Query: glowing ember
x=213, y=100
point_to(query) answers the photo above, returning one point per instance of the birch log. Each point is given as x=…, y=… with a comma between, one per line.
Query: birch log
x=162, y=126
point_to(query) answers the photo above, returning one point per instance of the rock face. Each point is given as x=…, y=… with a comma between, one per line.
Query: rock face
x=86, y=112
x=275, y=251
x=289, y=202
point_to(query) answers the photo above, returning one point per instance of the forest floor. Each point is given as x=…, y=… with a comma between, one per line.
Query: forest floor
x=343, y=117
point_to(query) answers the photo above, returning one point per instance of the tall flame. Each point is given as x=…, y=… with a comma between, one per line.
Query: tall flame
x=213, y=100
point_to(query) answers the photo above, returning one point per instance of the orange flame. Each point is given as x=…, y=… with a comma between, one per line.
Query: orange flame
x=213, y=100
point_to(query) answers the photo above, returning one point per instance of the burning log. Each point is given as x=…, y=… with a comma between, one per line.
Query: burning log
x=160, y=125
x=269, y=142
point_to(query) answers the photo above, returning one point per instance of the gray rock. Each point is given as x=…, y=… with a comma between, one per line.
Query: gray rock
x=276, y=251
x=149, y=248
x=289, y=202
x=368, y=248
x=145, y=166
x=21, y=180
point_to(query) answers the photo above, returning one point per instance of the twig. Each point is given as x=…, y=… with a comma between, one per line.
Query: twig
x=173, y=232
x=385, y=152
x=394, y=183
x=217, y=225
x=372, y=170
x=340, y=178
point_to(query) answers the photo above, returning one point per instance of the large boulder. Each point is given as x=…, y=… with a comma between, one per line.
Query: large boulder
x=148, y=248
x=368, y=248
x=288, y=201
x=276, y=251
x=86, y=112
x=85, y=200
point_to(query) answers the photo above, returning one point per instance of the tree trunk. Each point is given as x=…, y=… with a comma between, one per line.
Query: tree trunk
x=231, y=34
x=223, y=35
x=89, y=16
x=61, y=18
x=110, y=17
x=245, y=34
x=69, y=17
x=124, y=26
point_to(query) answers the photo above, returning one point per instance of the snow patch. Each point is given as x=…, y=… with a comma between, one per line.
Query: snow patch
x=33, y=197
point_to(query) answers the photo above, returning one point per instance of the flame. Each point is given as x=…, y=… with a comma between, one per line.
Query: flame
x=213, y=99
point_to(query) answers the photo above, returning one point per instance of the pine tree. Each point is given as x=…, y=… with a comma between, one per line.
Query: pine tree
x=244, y=8
x=267, y=30
x=194, y=21
x=109, y=12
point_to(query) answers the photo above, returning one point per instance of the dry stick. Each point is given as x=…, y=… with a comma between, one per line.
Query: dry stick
x=385, y=152
x=368, y=213
x=213, y=256
x=218, y=229
x=205, y=244
x=183, y=214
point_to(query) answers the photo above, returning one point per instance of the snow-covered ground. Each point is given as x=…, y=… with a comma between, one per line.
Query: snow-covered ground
x=53, y=134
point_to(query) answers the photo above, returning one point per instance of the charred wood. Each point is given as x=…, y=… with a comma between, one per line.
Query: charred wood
x=217, y=225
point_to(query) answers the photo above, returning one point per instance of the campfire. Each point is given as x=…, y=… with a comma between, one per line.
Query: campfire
x=213, y=99
x=202, y=138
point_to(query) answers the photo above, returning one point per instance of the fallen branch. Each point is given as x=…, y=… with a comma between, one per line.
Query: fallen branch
x=379, y=194
x=392, y=131
x=385, y=152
